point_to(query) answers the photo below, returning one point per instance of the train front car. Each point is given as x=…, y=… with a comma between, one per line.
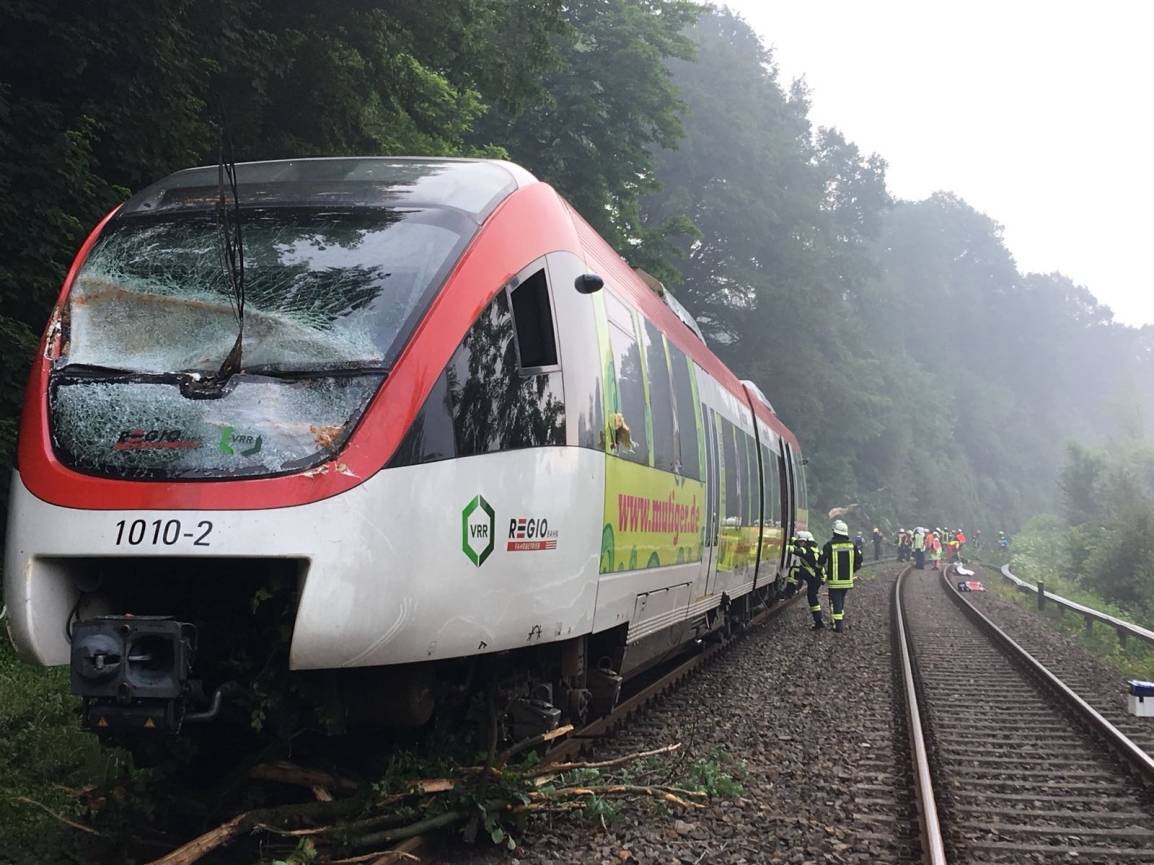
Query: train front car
x=435, y=455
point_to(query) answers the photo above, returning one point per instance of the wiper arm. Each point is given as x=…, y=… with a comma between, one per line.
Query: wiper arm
x=99, y=372
x=347, y=370
x=94, y=370
x=232, y=262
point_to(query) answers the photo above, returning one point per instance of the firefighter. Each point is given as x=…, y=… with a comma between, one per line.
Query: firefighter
x=877, y=539
x=905, y=545
x=804, y=567
x=840, y=561
x=919, y=548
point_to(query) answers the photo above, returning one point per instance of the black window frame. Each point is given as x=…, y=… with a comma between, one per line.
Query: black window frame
x=518, y=282
x=638, y=431
x=686, y=405
x=670, y=463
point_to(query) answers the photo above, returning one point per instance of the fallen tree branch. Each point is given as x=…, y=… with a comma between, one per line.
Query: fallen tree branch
x=204, y=844
x=429, y=824
x=362, y=823
x=558, y=768
x=59, y=817
x=284, y=772
x=532, y=742
x=381, y=857
x=675, y=795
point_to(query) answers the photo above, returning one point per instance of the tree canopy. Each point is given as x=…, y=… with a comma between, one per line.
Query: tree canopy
x=928, y=378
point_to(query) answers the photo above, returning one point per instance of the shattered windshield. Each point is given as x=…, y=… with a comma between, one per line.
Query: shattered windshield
x=331, y=296
x=321, y=288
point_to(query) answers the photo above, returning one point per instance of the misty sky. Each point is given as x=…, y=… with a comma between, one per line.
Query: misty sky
x=1037, y=113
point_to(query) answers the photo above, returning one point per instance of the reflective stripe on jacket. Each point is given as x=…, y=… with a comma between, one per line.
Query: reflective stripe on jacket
x=840, y=559
x=804, y=560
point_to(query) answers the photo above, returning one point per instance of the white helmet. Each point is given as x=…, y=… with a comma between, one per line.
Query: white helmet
x=840, y=528
x=804, y=536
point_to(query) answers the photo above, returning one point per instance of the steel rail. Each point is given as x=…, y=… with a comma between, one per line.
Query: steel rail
x=933, y=844
x=1131, y=754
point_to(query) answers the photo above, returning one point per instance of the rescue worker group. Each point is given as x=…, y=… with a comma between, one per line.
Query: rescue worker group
x=836, y=563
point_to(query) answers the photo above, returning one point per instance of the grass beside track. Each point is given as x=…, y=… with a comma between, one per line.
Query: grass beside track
x=1133, y=660
x=45, y=757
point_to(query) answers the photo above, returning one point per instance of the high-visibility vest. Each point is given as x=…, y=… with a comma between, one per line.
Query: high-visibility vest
x=800, y=565
x=840, y=567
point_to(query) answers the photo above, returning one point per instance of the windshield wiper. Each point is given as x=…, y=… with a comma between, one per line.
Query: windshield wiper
x=231, y=250
x=100, y=372
x=320, y=371
x=192, y=379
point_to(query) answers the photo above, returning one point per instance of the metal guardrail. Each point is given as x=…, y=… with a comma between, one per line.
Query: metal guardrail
x=1123, y=628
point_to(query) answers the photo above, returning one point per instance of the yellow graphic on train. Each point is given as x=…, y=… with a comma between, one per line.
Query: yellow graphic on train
x=652, y=518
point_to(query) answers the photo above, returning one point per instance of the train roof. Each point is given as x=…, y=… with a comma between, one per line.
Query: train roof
x=474, y=186
x=677, y=323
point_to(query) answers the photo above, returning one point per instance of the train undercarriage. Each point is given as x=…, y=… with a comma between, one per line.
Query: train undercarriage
x=152, y=658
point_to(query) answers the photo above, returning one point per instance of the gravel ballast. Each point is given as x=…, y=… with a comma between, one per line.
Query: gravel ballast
x=813, y=718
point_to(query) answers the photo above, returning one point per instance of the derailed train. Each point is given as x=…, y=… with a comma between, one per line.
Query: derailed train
x=463, y=440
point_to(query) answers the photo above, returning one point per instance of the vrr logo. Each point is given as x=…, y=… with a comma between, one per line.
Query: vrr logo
x=477, y=535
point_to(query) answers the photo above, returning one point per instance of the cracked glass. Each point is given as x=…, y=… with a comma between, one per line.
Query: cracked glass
x=330, y=297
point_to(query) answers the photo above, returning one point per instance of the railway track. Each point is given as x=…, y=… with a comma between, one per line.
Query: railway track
x=1010, y=765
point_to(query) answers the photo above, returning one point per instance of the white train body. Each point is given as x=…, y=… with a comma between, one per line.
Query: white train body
x=532, y=466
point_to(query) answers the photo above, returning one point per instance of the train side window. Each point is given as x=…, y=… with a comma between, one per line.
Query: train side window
x=769, y=467
x=535, y=335
x=660, y=400
x=799, y=476
x=630, y=389
x=743, y=461
x=753, y=498
x=687, y=433
x=430, y=437
x=732, y=491
x=494, y=406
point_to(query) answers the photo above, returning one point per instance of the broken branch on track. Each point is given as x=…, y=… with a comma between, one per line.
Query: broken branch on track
x=470, y=797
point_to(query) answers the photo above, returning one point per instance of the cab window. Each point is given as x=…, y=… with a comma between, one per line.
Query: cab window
x=629, y=439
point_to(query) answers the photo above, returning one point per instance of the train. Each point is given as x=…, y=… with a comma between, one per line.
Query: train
x=381, y=433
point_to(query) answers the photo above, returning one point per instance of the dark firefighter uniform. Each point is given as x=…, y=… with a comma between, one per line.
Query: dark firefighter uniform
x=804, y=567
x=840, y=560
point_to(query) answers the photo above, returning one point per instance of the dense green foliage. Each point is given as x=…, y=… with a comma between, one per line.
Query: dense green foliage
x=1103, y=543
x=929, y=380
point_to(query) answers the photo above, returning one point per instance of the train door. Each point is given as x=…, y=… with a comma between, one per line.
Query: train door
x=712, y=490
x=788, y=503
x=760, y=514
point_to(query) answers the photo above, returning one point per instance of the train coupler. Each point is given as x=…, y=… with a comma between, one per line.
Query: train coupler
x=133, y=673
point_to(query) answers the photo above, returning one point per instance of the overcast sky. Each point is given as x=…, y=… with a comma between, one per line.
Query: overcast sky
x=1037, y=113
